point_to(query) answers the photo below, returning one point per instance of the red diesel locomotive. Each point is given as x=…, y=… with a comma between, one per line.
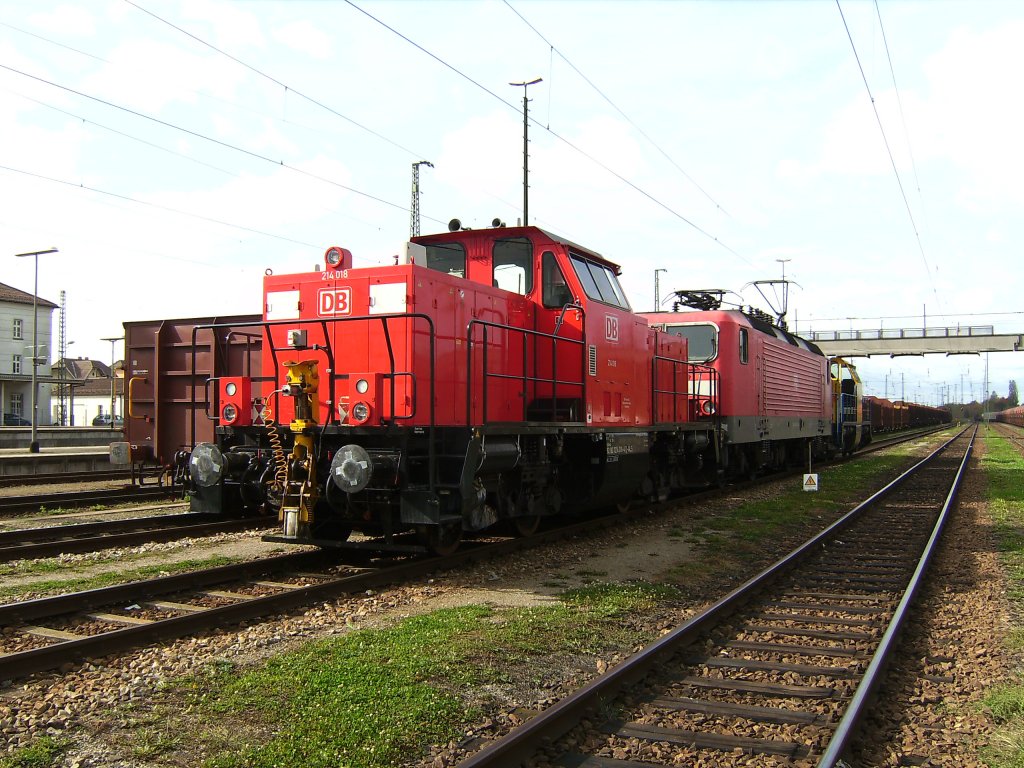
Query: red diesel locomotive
x=491, y=375
x=488, y=375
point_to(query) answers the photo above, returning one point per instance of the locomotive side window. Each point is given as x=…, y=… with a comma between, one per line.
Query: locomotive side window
x=512, y=264
x=744, y=345
x=555, y=293
x=449, y=258
x=701, y=339
x=599, y=282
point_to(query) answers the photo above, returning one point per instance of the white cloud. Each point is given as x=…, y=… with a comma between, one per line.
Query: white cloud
x=304, y=37
x=66, y=19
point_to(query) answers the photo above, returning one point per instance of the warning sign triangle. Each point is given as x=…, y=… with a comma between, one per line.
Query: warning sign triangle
x=811, y=480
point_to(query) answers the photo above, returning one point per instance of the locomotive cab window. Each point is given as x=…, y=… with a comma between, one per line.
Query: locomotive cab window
x=555, y=291
x=701, y=340
x=599, y=282
x=449, y=258
x=512, y=265
x=744, y=345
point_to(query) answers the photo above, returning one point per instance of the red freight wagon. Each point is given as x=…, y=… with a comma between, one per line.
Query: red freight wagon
x=1012, y=416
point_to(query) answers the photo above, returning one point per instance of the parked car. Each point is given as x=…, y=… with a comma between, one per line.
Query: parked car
x=14, y=420
x=103, y=420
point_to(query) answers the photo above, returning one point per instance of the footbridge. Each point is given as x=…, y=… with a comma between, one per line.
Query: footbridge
x=897, y=342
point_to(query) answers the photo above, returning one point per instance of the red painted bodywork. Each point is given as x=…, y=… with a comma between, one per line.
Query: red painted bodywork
x=778, y=379
x=494, y=358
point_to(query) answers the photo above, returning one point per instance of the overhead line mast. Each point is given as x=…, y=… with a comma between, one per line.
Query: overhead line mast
x=414, y=208
x=526, y=147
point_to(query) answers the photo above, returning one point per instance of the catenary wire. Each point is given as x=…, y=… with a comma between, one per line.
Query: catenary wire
x=555, y=134
x=130, y=137
x=274, y=80
x=290, y=89
x=155, y=205
x=614, y=106
x=53, y=42
x=899, y=102
x=892, y=160
x=225, y=144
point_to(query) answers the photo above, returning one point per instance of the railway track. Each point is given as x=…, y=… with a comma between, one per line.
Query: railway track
x=1014, y=434
x=89, y=537
x=50, y=478
x=35, y=502
x=46, y=633
x=783, y=667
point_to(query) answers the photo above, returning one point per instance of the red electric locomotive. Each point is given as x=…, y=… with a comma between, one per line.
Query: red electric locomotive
x=493, y=374
x=779, y=393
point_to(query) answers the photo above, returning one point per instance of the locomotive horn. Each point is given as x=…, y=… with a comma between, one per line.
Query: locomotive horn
x=497, y=223
x=454, y=225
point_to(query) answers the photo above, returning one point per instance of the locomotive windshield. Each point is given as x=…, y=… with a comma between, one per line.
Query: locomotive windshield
x=449, y=258
x=701, y=338
x=599, y=282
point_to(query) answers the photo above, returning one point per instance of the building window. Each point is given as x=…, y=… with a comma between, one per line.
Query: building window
x=17, y=328
x=16, y=364
x=16, y=403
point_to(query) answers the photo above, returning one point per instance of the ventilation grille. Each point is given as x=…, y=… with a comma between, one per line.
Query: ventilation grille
x=592, y=359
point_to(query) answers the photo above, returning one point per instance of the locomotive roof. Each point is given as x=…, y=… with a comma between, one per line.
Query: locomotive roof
x=502, y=232
x=717, y=315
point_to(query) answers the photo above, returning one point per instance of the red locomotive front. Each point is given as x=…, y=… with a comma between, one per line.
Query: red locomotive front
x=776, y=392
x=488, y=374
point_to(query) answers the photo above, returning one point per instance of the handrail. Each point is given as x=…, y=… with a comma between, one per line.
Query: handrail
x=527, y=334
x=131, y=388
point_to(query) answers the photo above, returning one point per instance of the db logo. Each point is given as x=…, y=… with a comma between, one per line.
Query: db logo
x=335, y=301
x=611, y=328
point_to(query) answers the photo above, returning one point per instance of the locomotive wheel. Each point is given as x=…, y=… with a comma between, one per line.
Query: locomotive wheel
x=442, y=540
x=526, y=525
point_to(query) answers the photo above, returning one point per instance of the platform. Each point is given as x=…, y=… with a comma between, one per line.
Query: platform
x=18, y=461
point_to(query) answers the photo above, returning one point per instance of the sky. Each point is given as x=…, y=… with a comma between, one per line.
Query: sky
x=176, y=150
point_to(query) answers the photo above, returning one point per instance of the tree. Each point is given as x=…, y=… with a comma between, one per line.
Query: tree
x=1012, y=399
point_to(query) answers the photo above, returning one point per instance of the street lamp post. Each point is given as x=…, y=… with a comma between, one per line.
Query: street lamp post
x=33, y=445
x=113, y=340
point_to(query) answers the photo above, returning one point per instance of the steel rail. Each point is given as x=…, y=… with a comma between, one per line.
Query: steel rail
x=10, y=505
x=46, y=533
x=872, y=677
x=156, y=532
x=554, y=722
x=45, y=478
x=36, y=660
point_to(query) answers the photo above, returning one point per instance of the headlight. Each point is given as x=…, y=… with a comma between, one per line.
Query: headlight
x=707, y=407
x=206, y=465
x=360, y=413
x=334, y=256
x=351, y=468
x=230, y=388
x=229, y=414
x=361, y=386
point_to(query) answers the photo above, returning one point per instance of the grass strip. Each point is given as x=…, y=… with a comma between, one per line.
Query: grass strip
x=43, y=753
x=109, y=578
x=377, y=697
x=1003, y=467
